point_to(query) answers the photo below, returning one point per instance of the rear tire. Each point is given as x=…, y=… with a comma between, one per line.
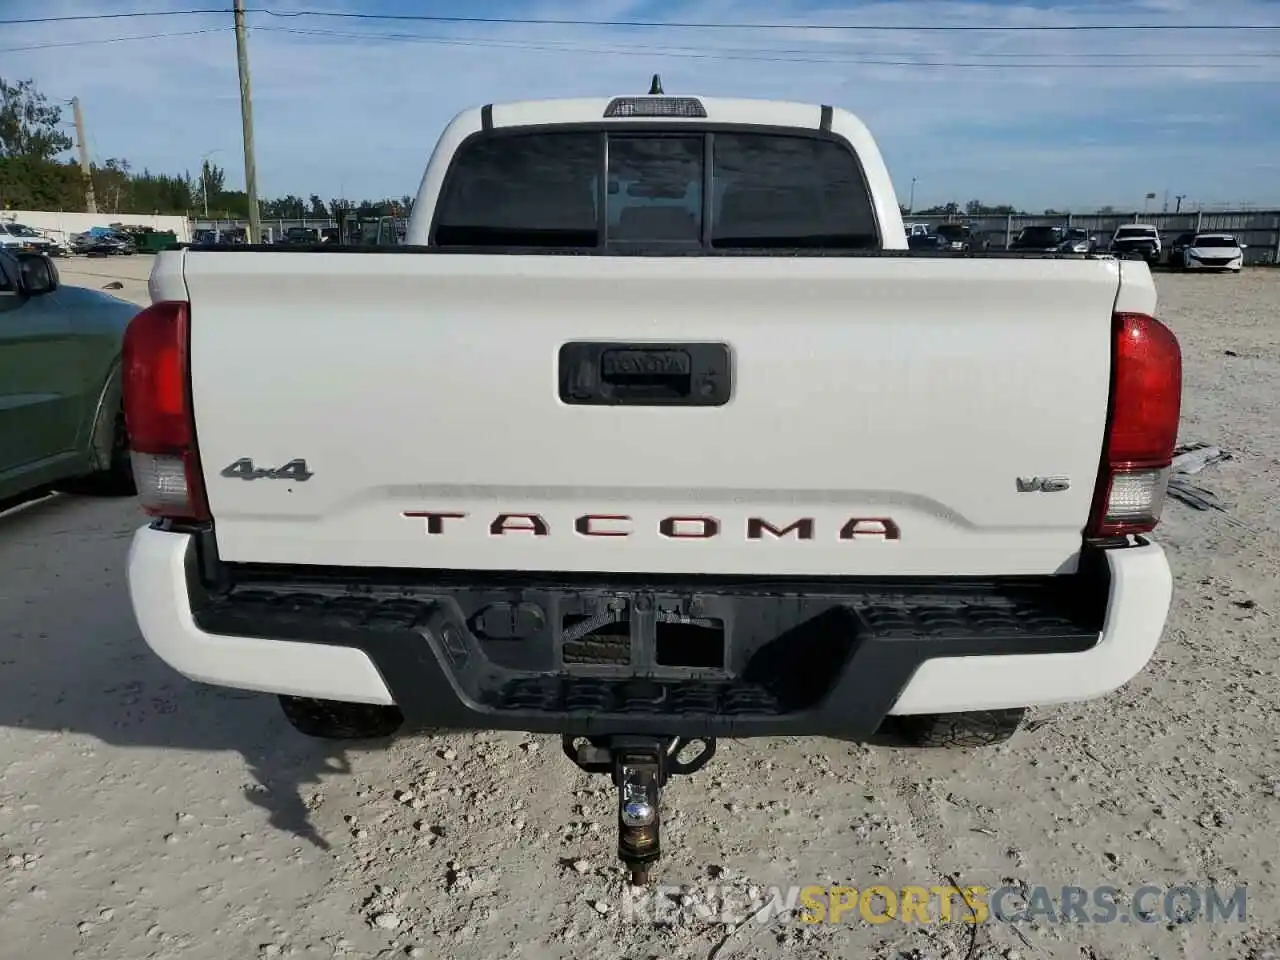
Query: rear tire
x=339, y=720
x=982, y=728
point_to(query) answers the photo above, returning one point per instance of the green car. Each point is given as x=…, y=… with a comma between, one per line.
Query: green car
x=61, y=418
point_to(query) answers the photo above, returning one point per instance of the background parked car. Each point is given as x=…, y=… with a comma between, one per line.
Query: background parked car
x=61, y=416
x=102, y=242
x=19, y=238
x=1137, y=240
x=1178, y=247
x=927, y=241
x=1209, y=251
x=957, y=236
x=302, y=236
x=1079, y=241
x=1040, y=239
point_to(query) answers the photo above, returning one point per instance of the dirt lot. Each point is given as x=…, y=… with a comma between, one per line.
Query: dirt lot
x=145, y=816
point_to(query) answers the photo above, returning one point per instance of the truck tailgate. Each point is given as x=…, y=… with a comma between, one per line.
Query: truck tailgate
x=881, y=411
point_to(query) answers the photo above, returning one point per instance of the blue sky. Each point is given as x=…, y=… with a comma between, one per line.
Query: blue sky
x=352, y=108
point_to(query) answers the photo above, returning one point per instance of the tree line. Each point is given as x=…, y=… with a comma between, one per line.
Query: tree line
x=36, y=174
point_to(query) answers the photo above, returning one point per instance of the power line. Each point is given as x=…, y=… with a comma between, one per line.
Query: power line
x=686, y=54
x=901, y=28
x=760, y=55
x=675, y=25
x=100, y=40
x=115, y=16
x=781, y=53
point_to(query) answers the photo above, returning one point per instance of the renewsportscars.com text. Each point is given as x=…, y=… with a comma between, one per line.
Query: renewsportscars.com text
x=879, y=904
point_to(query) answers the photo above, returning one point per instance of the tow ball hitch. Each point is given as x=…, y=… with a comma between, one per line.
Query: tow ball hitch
x=639, y=767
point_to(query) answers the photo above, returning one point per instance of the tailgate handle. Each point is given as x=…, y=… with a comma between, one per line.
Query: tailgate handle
x=645, y=374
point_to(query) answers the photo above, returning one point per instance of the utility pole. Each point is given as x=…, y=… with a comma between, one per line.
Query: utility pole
x=86, y=172
x=246, y=121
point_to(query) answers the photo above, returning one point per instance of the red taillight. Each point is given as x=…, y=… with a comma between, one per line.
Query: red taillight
x=1142, y=427
x=157, y=413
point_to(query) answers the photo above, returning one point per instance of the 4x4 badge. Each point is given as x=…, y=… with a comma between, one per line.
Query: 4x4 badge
x=245, y=470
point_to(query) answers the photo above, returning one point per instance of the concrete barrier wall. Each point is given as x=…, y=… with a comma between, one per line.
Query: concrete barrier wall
x=63, y=225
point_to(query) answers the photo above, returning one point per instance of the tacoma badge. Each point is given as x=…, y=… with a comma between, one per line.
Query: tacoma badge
x=670, y=528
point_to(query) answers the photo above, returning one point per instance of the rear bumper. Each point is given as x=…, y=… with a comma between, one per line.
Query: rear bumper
x=825, y=658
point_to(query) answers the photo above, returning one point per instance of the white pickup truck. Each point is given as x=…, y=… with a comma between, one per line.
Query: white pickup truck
x=654, y=431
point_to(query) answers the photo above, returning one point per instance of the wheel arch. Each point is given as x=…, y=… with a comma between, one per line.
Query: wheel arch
x=102, y=432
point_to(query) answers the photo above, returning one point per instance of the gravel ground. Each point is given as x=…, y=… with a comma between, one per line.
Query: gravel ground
x=142, y=815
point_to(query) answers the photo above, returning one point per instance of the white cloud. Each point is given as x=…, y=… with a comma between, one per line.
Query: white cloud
x=347, y=107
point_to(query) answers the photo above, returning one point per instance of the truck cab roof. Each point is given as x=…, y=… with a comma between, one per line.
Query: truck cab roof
x=649, y=109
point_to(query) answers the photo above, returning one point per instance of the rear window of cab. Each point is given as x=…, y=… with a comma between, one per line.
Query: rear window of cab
x=673, y=190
